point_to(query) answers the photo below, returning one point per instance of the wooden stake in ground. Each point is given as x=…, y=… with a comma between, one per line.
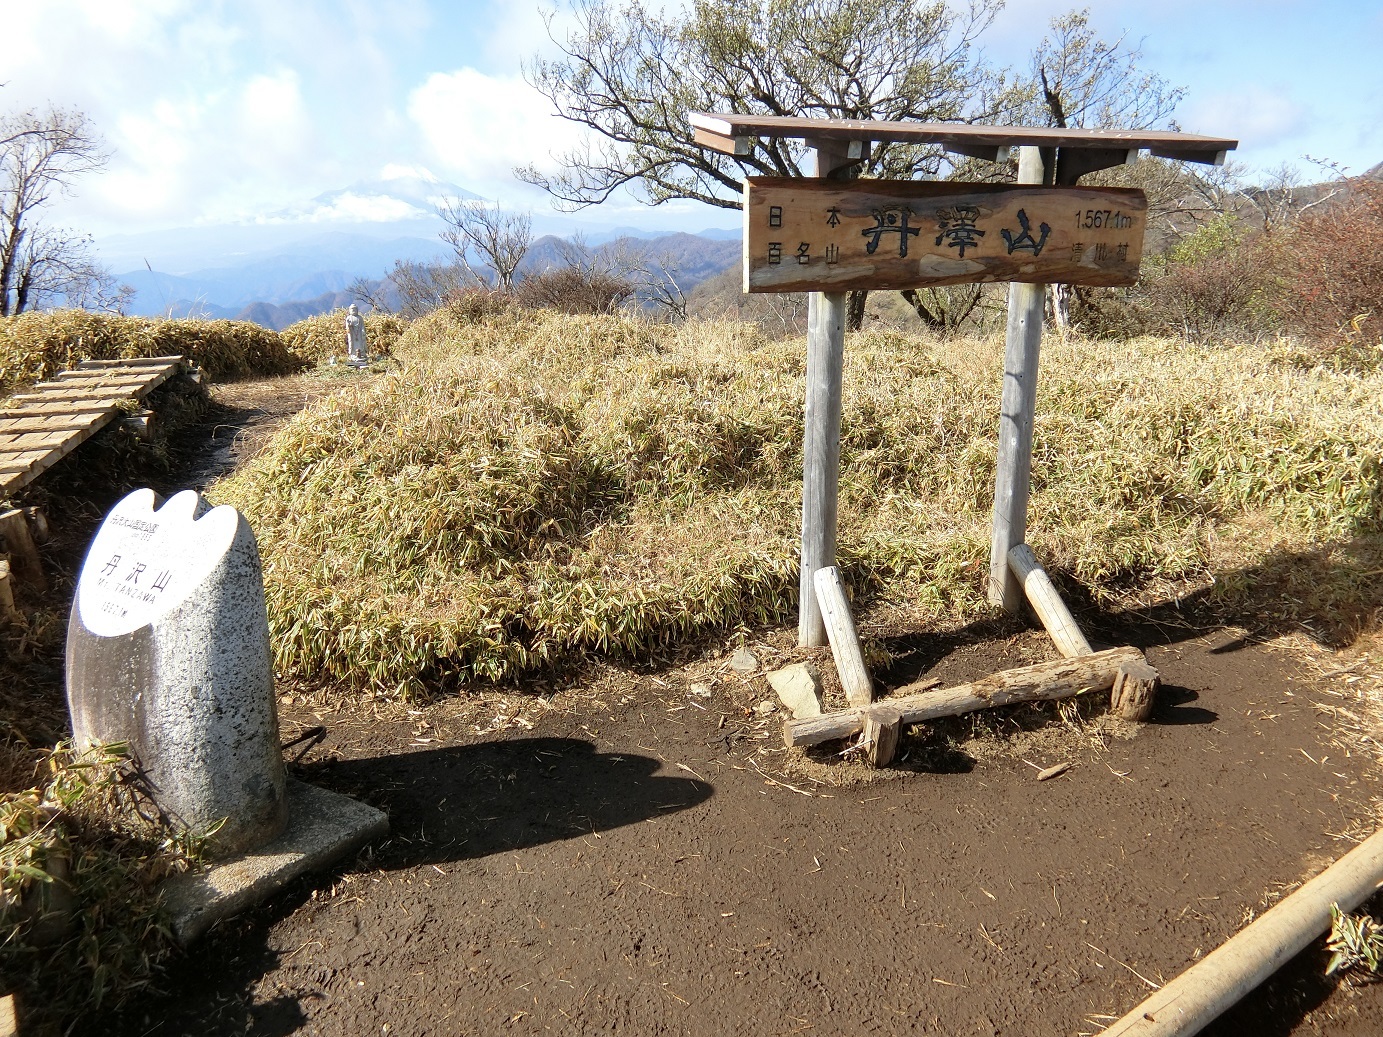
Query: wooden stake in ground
x=1058, y=679
x=1046, y=602
x=24, y=560
x=1190, y=1002
x=1013, y=473
x=1134, y=694
x=8, y=612
x=882, y=729
x=840, y=630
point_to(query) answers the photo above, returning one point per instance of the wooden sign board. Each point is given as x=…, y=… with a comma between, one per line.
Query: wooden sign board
x=836, y=235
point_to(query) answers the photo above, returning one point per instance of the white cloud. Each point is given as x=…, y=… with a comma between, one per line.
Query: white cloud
x=1257, y=116
x=480, y=127
x=354, y=208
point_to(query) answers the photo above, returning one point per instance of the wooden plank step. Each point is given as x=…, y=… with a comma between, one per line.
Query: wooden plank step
x=20, y=462
x=49, y=423
x=33, y=440
x=57, y=408
x=124, y=371
x=96, y=378
x=48, y=459
x=130, y=362
x=76, y=393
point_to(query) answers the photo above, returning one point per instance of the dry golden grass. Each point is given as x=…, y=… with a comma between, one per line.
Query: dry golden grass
x=529, y=487
x=36, y=345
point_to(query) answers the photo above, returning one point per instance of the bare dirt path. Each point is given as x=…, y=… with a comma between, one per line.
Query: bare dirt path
x=629, y=855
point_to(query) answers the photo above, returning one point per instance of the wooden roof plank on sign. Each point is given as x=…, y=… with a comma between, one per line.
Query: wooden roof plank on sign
x=724, y=132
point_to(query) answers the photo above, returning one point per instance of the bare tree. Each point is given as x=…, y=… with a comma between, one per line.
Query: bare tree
x=658, y=286
x=40, y=155
x=495, y=239
x=1081, y=80
x=412, y=289
x=630, y=73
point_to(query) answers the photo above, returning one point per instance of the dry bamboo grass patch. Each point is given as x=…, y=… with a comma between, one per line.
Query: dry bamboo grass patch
x=315, y=339
x=529, y=487
x=36, y=345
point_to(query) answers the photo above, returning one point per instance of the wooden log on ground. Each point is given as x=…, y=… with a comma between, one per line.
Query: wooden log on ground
x=1013, y=468
x=14, y=531
x=840, y=631
x=1134, y=694
x=9, y=1016
x=1190, y=1002
x=1057, y=679
x=1046, y=602
x=882, y=729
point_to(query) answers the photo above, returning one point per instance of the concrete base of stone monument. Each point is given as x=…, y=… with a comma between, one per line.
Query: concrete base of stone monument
x=323, y=827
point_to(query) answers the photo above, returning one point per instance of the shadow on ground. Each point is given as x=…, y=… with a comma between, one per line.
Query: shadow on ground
x=462, y=802
x=445, y=804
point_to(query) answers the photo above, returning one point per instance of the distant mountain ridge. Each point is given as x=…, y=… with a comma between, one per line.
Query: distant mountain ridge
x=298, y=260
x=279, y=290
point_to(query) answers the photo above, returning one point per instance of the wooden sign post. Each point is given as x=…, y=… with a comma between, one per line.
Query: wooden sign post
x=827, y=236
x=1017, y=411
x=821, y=438
x=830, y=234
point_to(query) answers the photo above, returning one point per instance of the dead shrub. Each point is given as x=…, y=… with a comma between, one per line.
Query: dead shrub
x=474, y=303
x=1332, y=267
x=575, y=289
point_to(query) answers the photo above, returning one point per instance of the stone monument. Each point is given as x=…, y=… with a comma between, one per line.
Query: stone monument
x=168, y=650
x=357, y=350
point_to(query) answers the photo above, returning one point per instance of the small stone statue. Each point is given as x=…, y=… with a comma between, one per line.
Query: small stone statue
x=356, y=349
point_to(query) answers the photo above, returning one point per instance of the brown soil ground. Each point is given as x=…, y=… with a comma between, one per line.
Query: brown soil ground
x=634, y=852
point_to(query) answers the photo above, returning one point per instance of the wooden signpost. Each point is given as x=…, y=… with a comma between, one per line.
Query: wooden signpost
x=830, y=236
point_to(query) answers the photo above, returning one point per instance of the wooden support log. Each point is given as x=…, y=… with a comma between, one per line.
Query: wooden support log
x=9, y=1016
x=882, y=729
x=8, y=612
x=1057, y=679
x=1190, y=1002
x=1013, y=469
x=1134, y=694
x=38, y=524
x=840, y=631
x=14, y=530
x=141, y=424
x=1046, y=602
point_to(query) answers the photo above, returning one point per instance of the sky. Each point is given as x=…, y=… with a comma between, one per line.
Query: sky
x=218, y=111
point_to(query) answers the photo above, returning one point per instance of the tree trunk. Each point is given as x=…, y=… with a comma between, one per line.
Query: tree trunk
x=854, y=310
x=928, y=317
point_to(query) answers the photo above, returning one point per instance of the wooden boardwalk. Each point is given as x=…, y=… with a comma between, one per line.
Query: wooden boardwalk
x=41, y=426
